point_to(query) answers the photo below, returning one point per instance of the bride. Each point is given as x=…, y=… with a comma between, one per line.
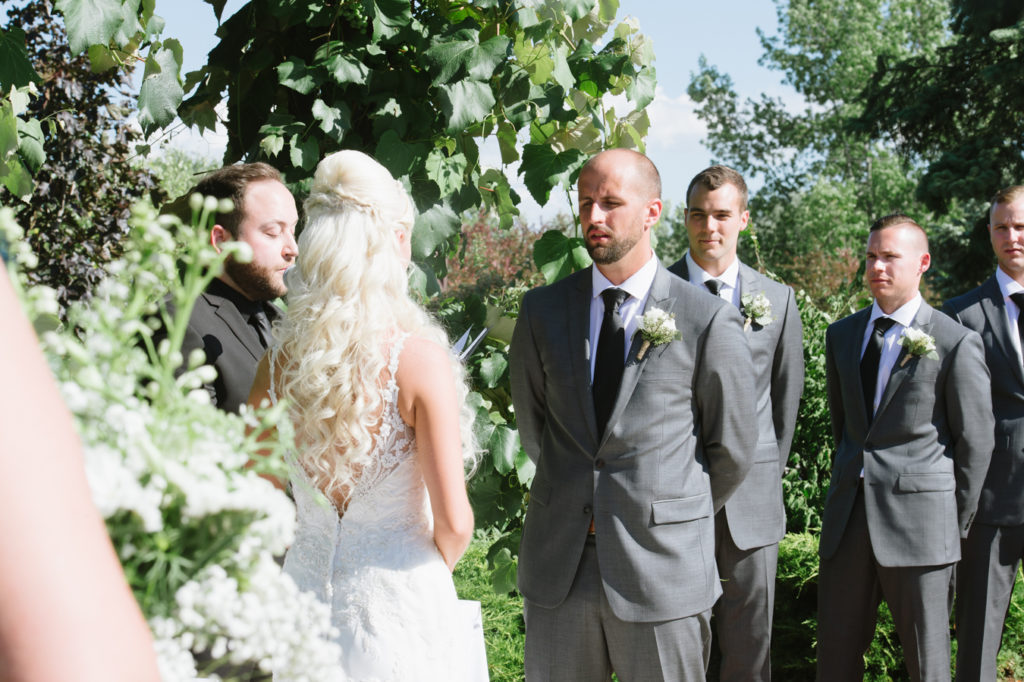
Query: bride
x=382, y=435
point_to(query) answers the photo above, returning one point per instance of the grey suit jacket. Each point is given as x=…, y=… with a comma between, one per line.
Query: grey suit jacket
x=926, y=452
x=756, y=515
x=676, y=446
x=983, y=310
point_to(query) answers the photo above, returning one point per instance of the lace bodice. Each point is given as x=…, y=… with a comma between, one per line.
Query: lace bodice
x=376, y=565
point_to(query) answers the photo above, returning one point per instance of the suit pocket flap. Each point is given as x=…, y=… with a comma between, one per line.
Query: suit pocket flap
x=681, y=509
x=923, y=483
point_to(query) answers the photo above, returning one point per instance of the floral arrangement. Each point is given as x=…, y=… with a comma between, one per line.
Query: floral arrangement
x=656, y=328
x=917, y=344
x=757, y=309
x=196, y=527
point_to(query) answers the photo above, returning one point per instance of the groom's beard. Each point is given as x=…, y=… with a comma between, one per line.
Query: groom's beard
x=612, y=251
x=258, y=282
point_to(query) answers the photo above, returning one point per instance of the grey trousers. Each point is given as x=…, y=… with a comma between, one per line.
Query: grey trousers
x=582, y=640
x=985, y=577
x=851, y=585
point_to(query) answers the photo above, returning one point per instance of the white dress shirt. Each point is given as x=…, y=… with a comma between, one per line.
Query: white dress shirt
x=730, y=290
x=903, y=316
x=638, y=287
x=1007, y=286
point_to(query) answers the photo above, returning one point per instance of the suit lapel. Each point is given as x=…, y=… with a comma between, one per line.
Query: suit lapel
x=995, y=310
x=900, y=371
x=851, y=355
x=579, y=344
x=235, y=322
x=657, y=298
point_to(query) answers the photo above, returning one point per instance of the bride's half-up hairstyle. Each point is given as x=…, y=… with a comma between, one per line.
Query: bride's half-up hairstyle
x=348, y=302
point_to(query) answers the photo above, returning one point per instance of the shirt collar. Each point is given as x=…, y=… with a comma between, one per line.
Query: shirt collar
x=219, y=287
x=698, y=275
x=637, y=286
x=904, y=315
x=1007, y=285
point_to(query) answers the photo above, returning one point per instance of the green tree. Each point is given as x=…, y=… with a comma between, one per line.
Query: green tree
x=823, y=183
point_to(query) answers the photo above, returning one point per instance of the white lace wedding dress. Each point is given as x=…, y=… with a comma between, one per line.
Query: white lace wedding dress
x=390, y=592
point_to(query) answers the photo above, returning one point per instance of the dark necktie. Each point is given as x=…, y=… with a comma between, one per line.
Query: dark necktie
x=611, y=350
x=259, y=320
x=714, y=285
x=1018, y=298
x=869, y=363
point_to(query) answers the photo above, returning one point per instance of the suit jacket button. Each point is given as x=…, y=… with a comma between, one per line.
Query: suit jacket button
x=599, y=464
x=587, y=509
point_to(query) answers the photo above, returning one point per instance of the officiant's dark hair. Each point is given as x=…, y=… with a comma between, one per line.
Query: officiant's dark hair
x=1006, y=195
x=894, y=219
x=717, y=176
x=231, y=182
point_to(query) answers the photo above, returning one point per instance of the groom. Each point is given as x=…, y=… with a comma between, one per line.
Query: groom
x=636, y=445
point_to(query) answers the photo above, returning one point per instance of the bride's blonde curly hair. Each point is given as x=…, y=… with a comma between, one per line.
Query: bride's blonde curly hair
x=348, y=302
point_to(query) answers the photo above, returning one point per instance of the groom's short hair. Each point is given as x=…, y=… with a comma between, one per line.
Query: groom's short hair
x=894, y=219
x=1006, y=195
x=716, y=176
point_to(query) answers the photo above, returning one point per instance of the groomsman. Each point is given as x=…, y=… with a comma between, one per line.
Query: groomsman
x=639, y=426
x=993, y=550
x=912, y=420
x=749, y=527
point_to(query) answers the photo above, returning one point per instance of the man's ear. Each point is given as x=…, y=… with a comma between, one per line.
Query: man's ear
x=219, y=235
x=653, y=213
x=744, y=220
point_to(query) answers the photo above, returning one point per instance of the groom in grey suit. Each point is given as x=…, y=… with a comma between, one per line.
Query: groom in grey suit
x=912, y=422
x=995, y=546
x=636, y=445
x=749, y=527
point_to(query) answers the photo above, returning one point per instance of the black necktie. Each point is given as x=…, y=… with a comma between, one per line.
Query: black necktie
x=869, y=363
x=259, y=320
x=1018, y=298
x=611, y=350
x=714, y=285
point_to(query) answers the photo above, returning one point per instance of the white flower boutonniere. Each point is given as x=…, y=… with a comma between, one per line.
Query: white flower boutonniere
x=657, y=327
x=918, y=344
x=756, y=309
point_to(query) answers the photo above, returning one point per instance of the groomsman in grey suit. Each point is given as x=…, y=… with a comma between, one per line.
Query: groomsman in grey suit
x=993, y=550
x=639, y=438
x=912, y=420
x=749, y=527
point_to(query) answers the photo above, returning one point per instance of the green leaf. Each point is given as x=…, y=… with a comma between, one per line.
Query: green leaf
x=503, y=446
x=558, y=256
x=292, y=73
x=433, y=227
x=389, y=16
x=503, y=577
x=465, y=103
x=31, y=143
x=560, y=70
x=304, y=154
x=423, y=281
x=333, y=121
x=161, y=90
x=16, y=178
x=641, y=88
x=525, y=468
x=130, y=25
x=397, y=155
x=9, y=138
x=497, y=192
x=446, y=171
x=508, y=142
x=15, y=66
x=90, y=22
x=463, y=54
x=101, y=59
x=492, y=369
x=577, y=8
x=543, y=168
x=346, y=69
x=272, y=145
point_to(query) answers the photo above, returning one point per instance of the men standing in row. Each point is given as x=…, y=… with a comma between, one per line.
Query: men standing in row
x=749, y=527
x=639, y=426
x=995, y=545
x=231, y=319
x=912, y=421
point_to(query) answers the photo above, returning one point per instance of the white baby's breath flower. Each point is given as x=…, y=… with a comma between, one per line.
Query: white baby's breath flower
x=917, y=344
x=757, y=309
x=657, y=327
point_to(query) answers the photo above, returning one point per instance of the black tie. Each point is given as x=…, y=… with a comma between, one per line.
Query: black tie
x=611, y=350
x=1018, y=298
x=869, y=363
x=714, y=285
x=259, y=320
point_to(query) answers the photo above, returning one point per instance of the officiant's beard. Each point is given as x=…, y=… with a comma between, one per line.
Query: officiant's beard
x=256, y=281
x=612, y=251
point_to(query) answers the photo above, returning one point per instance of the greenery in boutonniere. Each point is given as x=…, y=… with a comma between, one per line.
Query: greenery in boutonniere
x=918, y=344
x=756, y=309
x=657, y=327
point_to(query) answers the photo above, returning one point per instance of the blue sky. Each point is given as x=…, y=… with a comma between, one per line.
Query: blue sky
x=724, y=31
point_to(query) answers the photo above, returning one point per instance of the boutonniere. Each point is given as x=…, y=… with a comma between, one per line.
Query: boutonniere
x=756, y=309
x=918, y=344
x=657, y=327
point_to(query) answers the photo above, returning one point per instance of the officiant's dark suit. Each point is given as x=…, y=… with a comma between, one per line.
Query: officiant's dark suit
x=748, y=529
x=231, y=320
x=633, y=595
x=995, y=546
x=905, y=480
